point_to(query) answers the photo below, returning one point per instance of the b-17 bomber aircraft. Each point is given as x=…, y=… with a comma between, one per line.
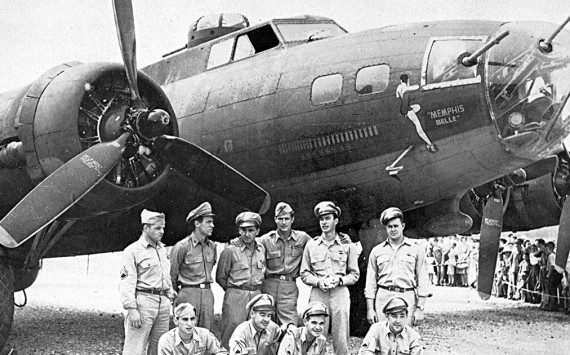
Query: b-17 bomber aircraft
x=461, y=124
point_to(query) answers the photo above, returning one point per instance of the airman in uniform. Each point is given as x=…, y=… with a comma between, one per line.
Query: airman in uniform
x=187, y=338
x=396, y=267
x=145, y=287
x=241, y=270
x=394, y=336
x=259, y=334
x=329, y=266
x=284, y=251
x=309, y=339
x=192, y=260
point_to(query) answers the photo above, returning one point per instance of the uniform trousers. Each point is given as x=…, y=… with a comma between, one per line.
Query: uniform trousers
x=285, y=293
x=154, y=311
x=337, y=301
x=203, y=300
x=382, y=296
x=234, y=312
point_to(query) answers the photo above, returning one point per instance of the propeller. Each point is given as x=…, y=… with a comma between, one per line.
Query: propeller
x=210, y=172
x=125, y=22
x=563, y=242
x=491, y=227
x=59, y=191
x=64, y=187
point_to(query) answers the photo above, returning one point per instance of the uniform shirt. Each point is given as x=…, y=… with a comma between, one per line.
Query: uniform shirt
x=295, y=343
x=403, y=266
x=241, y=266
x=203, y=343
x=192, y=261
x=246, y=340
x=284, y=254
x=322, y=259
x=380, y=340
x=144, y=267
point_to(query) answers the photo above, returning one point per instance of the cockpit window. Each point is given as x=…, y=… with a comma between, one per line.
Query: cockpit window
x=443, y=66
x=221, y=53
x=306, y=32
x=247, y=45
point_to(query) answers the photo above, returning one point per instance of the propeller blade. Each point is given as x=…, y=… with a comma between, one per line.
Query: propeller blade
x=211, y=173
x=491, y=227
x=125, y=22
x=563, y=242
x=59, y=191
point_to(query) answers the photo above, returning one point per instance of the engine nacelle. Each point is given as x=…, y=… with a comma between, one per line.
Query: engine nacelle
x=72, y=107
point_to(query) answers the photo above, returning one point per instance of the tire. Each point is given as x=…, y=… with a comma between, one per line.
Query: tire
x=6, y=301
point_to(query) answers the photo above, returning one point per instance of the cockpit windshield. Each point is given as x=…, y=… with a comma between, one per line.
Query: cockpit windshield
x=528, y=88
x=306, y=32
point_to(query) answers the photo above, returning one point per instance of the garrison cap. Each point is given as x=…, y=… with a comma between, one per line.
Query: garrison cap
x=261, y=302
x=246, y=219
x=283, y=208
x=184, y=309
x=391, y=213
x=204, y=210
x=326, y=207
x=150, y=217
x=316, y=309
x=395, y=304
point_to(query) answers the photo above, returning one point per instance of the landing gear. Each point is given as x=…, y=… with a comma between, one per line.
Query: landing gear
x=6, y=300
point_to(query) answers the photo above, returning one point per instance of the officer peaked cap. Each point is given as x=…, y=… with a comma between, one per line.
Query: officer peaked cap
x=316, y=309
x=391, y=213
x=204, y=210
x=261, y=302
x=395, y=304
x=246, y=219
x=327, y=207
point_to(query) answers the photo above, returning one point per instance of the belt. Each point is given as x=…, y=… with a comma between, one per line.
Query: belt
x=206, y=285
x=153, y=291
x=280, y=277
x=246, y=288
x=396, y=288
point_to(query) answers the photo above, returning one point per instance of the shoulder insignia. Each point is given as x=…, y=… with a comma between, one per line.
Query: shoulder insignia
x=124, y=273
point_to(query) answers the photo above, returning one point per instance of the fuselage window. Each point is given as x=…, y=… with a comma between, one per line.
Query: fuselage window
x=443, y=63
x=373, y=79
x=326, y=89
x=220, y=53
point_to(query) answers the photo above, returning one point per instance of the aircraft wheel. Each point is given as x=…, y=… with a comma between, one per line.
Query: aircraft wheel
x=6, y=301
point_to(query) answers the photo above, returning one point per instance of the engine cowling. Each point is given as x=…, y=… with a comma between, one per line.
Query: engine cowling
x=74, y=106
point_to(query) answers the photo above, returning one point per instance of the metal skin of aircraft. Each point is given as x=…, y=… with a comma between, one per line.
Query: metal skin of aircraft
x=458, y=123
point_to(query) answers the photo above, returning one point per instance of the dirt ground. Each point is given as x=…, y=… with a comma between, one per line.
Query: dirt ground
x=73, y=308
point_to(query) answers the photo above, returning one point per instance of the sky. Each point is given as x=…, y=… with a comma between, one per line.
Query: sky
x=36, y=35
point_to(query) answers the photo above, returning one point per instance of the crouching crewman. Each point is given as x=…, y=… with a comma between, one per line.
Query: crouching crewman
x=187, y=338
x=394, y=336
x=309, y=339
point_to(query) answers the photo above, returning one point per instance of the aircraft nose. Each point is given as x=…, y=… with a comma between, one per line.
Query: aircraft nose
x=528, y=89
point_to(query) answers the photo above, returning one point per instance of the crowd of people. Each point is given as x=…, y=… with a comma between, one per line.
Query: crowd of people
x=258, y=275
x=525, y=269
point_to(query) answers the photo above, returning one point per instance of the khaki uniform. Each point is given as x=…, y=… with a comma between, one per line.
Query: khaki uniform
x=283, y=264
x=400, y=271
x=296, y=343
x=246, y=340
x=380, y=340
x=203, y=343
x=321, y=259
x=192, y=262
x=145, y=268
x=240, y=273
